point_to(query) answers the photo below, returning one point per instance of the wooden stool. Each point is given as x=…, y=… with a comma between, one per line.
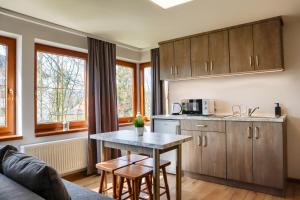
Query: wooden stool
x=109, y=167
x=133, y=158
x=134, y=174
x=163, y=164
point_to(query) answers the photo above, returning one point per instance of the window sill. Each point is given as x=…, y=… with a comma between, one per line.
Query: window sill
x=59, y=132
x=11, y=137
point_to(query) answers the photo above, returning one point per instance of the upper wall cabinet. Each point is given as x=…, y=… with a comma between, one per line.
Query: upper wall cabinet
x=175, y=60
x=209, y=54
x=250, y=47
x=256, y=47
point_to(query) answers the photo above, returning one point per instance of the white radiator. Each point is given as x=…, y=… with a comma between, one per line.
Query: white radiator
x=65, y=156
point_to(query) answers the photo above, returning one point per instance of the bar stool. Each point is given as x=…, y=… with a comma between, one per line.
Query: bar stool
x=163, y=164
x=109, y=167
x=134, y=175
x=133, y=158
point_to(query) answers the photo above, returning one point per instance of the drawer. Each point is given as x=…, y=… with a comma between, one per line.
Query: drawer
x=202, y=125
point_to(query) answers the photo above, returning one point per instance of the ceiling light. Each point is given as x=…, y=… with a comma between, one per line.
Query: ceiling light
x=169, y=3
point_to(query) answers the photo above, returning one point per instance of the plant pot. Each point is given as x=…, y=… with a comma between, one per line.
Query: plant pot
x=139, y=131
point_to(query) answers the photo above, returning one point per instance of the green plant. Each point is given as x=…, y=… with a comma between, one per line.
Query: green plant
x=138, y=122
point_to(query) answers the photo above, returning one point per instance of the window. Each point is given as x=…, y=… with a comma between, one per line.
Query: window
x=126, y=91
x=7, y=86
x=60, y=90
x=145, y=88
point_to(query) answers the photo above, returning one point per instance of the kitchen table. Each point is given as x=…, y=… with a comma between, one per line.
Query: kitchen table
x=150, y=143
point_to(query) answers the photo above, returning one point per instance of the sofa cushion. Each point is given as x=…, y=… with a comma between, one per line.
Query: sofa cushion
x=3, y=150
x=34, y=175
x=78, y=193
x=9, y=190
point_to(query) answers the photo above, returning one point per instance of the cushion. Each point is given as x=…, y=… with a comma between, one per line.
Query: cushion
x=10, y=190
x=34, y=175
x=78, y=193
x=3, y=150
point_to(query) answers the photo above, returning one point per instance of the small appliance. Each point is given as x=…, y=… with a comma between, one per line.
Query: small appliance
x=176, y=109
x=198, y=106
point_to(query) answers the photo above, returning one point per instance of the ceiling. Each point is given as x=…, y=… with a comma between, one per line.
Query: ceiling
x=142, y=24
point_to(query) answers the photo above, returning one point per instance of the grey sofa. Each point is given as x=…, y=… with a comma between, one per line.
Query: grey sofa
x=14, y=190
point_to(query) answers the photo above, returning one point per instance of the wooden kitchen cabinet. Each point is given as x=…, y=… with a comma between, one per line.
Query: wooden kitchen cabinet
x=213, y=154
x=182, y=56
x=218, y=52
x=241, y=49
x=166, y=51
x=191, y=152
x=239, y=151
x=268, y=154
x=268, y=48
x=199, y=55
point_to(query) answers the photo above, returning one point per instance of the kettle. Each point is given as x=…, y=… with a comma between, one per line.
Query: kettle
x=176, y=108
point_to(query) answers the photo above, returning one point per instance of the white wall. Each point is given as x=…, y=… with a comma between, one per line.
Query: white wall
x=261, y=90
x=27, y=33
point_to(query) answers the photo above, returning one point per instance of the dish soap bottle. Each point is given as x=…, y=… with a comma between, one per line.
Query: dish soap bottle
x=277, y=110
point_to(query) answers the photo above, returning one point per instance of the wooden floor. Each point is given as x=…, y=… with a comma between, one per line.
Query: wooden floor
x=199, y=190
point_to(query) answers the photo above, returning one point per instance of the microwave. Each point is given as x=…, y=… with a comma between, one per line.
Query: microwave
x=198, y=106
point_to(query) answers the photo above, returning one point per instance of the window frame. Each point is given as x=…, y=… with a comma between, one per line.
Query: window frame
x=142, y=92
x=9, y=132
x=129, y=119
x=55, y=128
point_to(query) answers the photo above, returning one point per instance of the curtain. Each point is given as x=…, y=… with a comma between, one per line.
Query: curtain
x=157, y=84
x=102, y=97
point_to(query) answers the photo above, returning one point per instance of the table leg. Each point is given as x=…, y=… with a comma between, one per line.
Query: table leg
x=103, y=158
x=178, y=173
x=156, y=173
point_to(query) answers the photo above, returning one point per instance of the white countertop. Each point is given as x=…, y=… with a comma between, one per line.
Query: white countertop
x=149, y=139
x=259, y=118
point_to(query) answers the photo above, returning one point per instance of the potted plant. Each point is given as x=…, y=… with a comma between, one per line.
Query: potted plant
x=139, y=124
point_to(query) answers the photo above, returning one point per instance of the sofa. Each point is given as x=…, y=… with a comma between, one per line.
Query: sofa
x=24, y=177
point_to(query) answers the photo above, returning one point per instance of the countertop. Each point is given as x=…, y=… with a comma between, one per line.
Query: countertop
x=258, y=118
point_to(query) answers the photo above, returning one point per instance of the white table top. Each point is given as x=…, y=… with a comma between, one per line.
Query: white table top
x=148, y=140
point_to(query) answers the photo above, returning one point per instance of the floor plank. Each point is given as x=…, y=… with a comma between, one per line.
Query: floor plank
x=199, y=190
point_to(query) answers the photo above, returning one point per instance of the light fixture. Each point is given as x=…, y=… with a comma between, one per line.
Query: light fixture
x=165, y=4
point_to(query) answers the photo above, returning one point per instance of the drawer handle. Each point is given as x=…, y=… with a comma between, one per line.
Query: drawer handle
x=205, y=141
x=199, y=141
x=201, y=125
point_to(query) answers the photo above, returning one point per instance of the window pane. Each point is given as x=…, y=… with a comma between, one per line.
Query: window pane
x=60, y=88
x=124, y=76
x=147, y=90
x=3, y=69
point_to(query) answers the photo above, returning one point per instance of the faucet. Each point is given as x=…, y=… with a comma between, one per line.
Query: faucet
x=251, y=111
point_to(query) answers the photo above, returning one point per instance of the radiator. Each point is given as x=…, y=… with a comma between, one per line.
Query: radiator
x=65, y=156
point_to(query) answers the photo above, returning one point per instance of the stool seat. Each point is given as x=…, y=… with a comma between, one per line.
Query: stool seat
x=112, y=165
x=132, y=158
x=133, y=172
x=149, y=162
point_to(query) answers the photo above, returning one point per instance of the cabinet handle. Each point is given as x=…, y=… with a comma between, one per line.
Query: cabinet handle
x=171, y=70
x=205, y=141
x=256, y=133
x=249, y=132
x=211, y=65
x=176, y=70
x=201, y=125
x=206, y=66
x=250, y=61
x=199, y=141
x=256, y=61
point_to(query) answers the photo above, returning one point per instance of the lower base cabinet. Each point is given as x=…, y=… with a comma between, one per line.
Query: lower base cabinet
x=247, y=153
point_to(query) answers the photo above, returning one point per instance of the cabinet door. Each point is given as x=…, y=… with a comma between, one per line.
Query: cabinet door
x=166, y=54
x=199, y=55
x=182, y=53
x=191, y=152
x=214, y=154
x=241, y=49
x=268, y=166
x=267, y=37
x=218, y=52
x=239, y=151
